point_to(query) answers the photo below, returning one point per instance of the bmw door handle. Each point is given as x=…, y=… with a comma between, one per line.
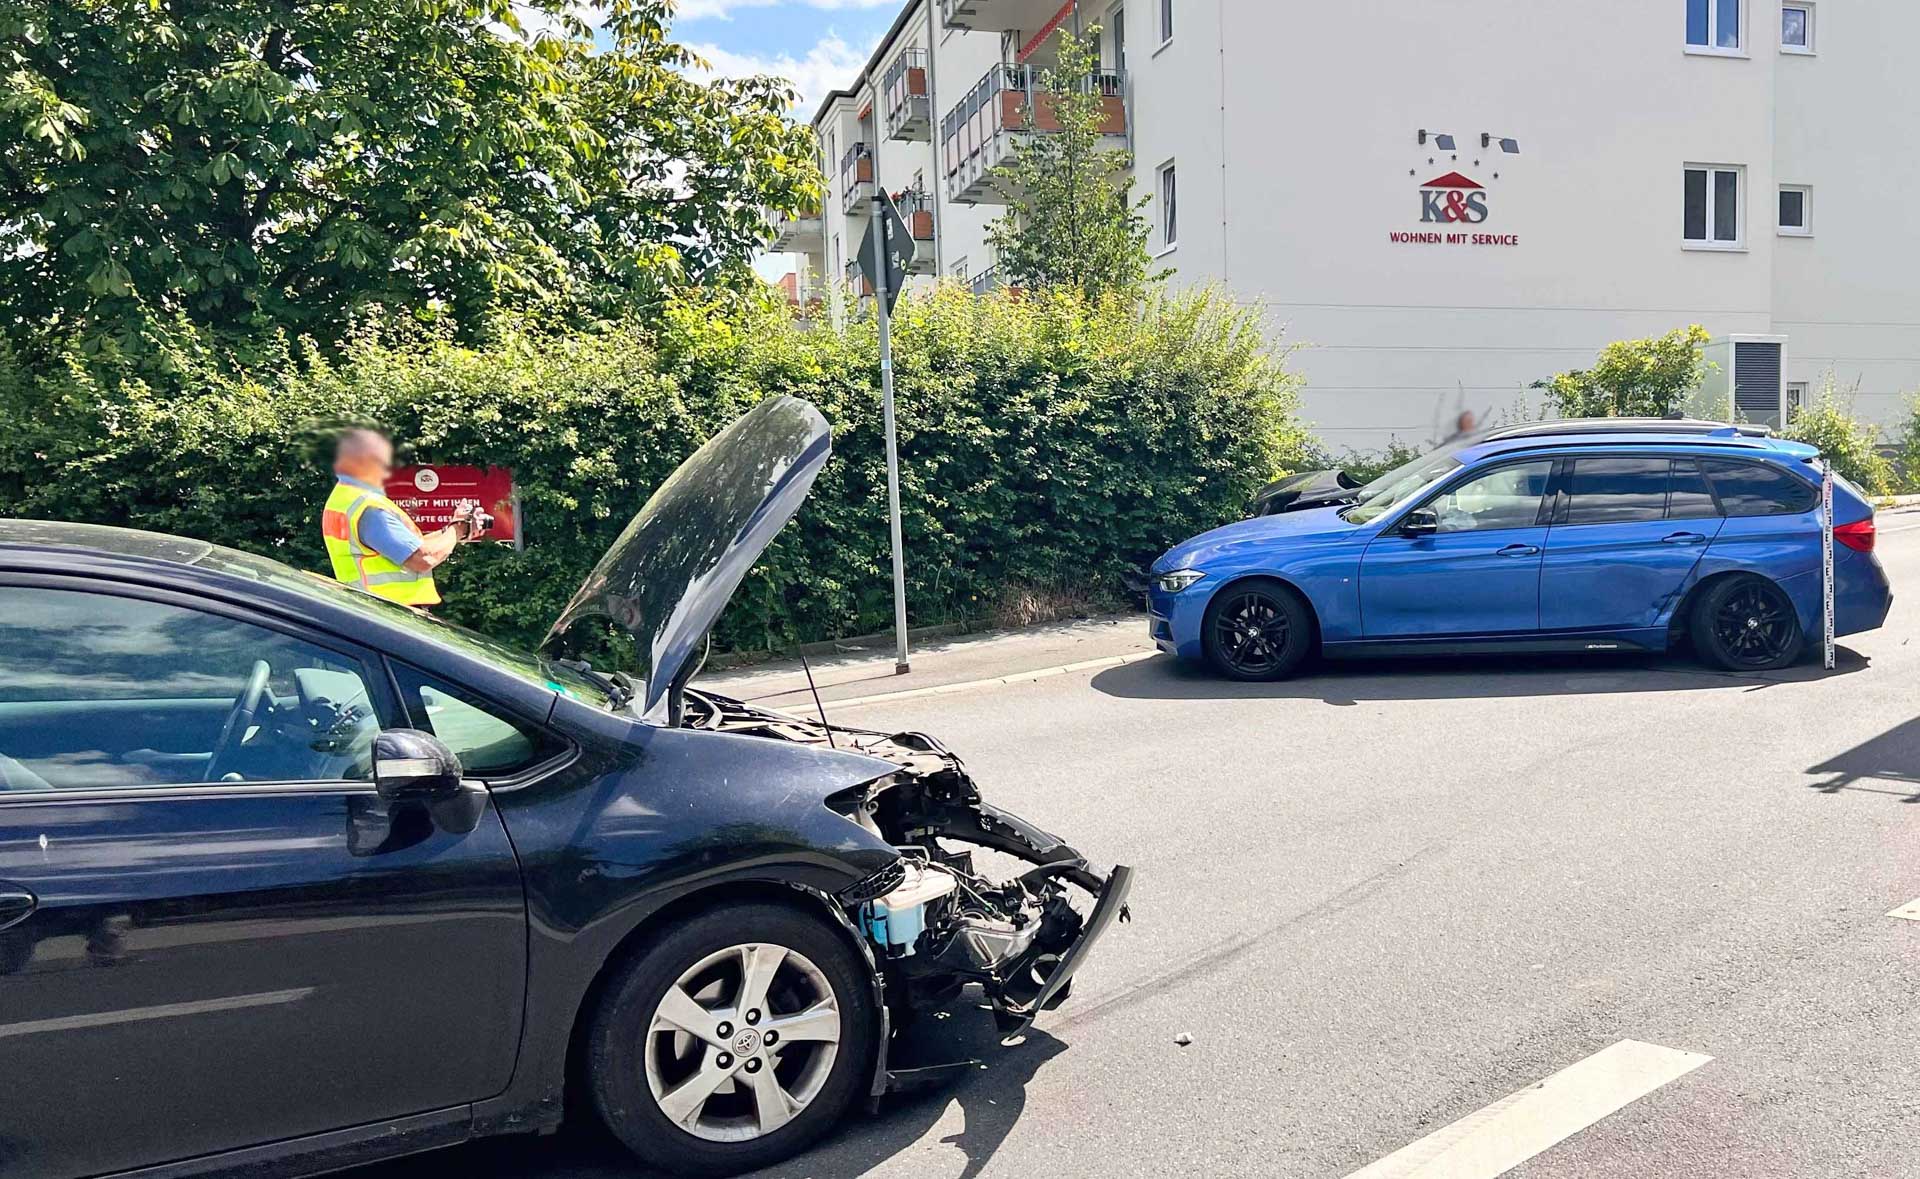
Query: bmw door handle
x=15, y=905
x=1683, y=538
x=1519, y=550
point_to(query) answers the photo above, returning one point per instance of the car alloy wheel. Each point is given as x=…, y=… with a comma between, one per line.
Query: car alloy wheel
x=742, y=1042
x=1755, y=624
x=1257, y=630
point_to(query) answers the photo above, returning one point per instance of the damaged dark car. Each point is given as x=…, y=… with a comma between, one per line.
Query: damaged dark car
x=292, y=879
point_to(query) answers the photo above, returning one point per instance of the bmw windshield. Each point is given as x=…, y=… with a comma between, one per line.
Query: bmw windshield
x=1400, y=483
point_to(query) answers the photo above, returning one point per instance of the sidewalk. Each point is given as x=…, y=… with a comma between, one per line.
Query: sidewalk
x=945, y=664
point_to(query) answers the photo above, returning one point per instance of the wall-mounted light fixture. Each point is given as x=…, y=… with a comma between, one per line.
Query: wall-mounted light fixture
x=1441, y=139
x=1510, y=146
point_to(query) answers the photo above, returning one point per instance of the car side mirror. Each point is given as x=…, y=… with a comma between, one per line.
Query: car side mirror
x=409, y=765
x=1420, y=522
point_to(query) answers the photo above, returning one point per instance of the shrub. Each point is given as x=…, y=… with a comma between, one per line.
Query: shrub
x=1043, y=441
x=1633, y=378
x=1850, y=444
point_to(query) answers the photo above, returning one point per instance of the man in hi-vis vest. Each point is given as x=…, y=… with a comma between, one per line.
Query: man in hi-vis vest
x=371, y=540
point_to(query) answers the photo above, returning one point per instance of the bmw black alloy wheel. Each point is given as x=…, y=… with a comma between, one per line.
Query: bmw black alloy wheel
x=1251, y=633
x=1754, y=625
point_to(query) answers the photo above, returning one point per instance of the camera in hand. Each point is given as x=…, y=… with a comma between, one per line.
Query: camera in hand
x=479, y=522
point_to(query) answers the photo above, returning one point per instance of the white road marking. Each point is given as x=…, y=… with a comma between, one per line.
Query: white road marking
x=1020, y=677
x=1907, y=912
x=1515, y=1128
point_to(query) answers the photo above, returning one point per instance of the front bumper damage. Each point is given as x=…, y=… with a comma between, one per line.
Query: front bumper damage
x=935, y=920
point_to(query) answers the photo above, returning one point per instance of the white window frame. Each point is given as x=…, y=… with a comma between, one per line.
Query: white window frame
x=1713, y=48
x=1813, y=30
x=1739, y=242
x=1805, y=228
x=1163, y=18
x=1798, y=394
x=1169, y=210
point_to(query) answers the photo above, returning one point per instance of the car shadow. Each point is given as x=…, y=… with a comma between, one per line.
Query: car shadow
x=990, y=1092
x=1893, y=757
x=1348, y=682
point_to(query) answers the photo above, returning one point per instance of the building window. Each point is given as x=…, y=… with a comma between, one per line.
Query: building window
x=1166, y=20
x=1796, y=28
x=1796, y=210
x=1712, y=207
x=1796, y=399
x=1713, y=26
x=1169, y=206
x=959, y=270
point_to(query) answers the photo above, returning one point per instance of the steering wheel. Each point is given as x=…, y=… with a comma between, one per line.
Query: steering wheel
x=240, y=718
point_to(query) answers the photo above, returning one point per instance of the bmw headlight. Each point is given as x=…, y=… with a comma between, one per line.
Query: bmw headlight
x=1176, y=581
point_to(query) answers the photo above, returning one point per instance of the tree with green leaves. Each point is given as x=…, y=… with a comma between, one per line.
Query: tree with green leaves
x=1649, y=378
x=1072, y=221
x=246, y=166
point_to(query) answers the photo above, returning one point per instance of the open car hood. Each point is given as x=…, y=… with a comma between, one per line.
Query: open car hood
x=668, y=577
x=1312, y=489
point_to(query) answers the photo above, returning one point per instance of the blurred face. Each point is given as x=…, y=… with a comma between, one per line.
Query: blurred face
x=369, y=460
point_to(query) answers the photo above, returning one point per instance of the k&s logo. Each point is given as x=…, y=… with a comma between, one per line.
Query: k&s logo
x=1453, y=199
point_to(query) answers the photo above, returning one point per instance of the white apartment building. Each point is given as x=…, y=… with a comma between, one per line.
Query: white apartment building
x=1443, y=202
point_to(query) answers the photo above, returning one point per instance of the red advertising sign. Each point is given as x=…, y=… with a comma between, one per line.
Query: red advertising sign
x=432, y=494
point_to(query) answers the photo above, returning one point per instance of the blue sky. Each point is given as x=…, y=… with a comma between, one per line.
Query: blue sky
x=816, y=44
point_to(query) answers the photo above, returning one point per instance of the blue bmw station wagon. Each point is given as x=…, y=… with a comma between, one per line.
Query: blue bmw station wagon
x=1615, y=535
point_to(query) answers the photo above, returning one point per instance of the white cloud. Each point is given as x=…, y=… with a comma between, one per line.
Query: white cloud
x=831, y=63
x=724, y=9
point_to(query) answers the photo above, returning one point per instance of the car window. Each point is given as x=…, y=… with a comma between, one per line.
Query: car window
x=1688, y=497
x=1758, y=489
x=99, y=691
x=486, y=742
x=1505, y=497
x=1617, y=490
x=1404, y=480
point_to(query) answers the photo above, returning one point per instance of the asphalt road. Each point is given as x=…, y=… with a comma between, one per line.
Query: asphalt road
x=1379, y=899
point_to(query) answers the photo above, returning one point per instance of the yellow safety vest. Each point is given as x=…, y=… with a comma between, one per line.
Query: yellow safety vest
x=356, y=564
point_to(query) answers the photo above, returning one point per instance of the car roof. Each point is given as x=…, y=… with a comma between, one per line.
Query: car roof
x=1639, y=433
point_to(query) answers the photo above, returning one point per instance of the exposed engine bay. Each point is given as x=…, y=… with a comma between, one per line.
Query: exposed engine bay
x=934, y=920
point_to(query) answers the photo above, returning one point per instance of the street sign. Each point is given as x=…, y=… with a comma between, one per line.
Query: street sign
x=900, y=249
x=431, y=494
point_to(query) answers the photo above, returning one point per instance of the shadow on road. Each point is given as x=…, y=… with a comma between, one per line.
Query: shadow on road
x=1348, y=682
x=1893, y=756
x=991, y=1097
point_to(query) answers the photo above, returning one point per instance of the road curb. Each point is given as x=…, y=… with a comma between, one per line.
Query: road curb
x=1022, y=677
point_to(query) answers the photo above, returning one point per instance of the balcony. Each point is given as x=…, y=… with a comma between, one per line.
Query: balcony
x=916, y=209
x=802, y=232
x=987, y=281
x=999, y=16
x=861, y=286
x=981, y=133
x=856, y=179
x=903, y=94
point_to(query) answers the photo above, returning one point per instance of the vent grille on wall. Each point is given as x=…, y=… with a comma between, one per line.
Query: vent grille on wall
x=1757, y=393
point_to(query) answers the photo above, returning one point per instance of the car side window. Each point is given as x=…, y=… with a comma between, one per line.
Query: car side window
x=1758, y=489
x=1688, y=496
x=487, y=743
x=1505, y=497
x=1617, y=490
x=99, y=691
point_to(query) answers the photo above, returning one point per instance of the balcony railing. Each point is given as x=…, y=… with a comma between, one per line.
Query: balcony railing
x=800, y=232
x=856, y=178
x=979, y=134
x=861, y=284
x=903, y=95
x=986, y=281
x=916, y=209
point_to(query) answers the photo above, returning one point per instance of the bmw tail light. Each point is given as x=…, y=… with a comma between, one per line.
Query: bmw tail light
x=1857, y=536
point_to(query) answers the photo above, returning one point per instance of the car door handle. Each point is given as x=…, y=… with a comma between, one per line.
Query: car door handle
x=15, y=905
x=1683, y=538
x=1518, y=550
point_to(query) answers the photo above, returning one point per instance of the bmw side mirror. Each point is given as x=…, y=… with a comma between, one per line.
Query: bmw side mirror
x=1420, y=522
x=409, y=765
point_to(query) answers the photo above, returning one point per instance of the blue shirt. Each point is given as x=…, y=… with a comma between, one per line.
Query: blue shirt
x=382, y=530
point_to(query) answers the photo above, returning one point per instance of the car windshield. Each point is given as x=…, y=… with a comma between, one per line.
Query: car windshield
x=1403, y=481
x=534, y=669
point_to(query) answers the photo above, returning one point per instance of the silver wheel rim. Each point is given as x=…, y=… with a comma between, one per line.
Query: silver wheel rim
x=742, y=1042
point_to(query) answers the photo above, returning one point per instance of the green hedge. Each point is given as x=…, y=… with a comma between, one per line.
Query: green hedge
x=1043, y=441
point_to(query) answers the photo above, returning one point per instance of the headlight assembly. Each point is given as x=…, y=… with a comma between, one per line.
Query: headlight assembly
x=1176, y=581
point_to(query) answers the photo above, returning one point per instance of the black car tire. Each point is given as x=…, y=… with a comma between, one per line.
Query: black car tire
x=1762, y=606
x=1281, y=615
x=618, y=1038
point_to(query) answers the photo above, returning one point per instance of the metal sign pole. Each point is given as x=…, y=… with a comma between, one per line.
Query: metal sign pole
x=880, y=302
x=1826, y=554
